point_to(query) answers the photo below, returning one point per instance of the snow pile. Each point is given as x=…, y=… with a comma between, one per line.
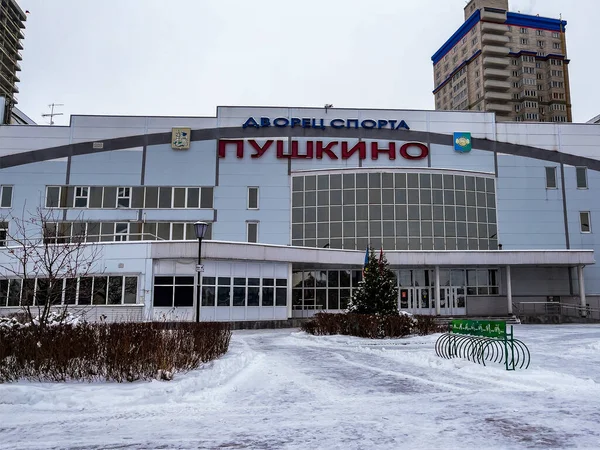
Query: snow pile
x=10, y=322
x=53, y=319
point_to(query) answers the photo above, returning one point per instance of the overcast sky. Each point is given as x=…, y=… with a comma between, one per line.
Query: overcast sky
x=185, y=57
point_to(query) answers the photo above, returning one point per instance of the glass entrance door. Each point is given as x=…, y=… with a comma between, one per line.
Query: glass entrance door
x=419, y=300
x=452, y=301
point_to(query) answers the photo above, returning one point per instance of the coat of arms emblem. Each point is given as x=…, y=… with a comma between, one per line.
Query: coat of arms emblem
x=462, y=142
x=180, y=138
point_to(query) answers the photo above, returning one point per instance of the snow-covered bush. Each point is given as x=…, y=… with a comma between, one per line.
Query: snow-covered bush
x=373, y=326
x=53, y=319
x=112, y=352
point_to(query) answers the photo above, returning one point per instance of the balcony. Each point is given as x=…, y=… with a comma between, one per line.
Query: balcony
x=493, y=15
x=496, y=85
x=500, y=74
x=19, y=56
x=499, y=108
x=491, y=61
x=495, y=50
x=487, y=27
x=498, y=96
x=495, y=39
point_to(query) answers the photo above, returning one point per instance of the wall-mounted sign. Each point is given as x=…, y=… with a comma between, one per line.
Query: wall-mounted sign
x=180, y=138
x=284, y=122
x=462, y=142
x=318, y=149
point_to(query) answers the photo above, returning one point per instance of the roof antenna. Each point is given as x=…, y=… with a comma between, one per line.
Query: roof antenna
x=52, y=113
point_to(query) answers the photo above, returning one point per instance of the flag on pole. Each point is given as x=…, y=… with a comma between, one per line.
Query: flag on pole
x=381, y=260
x=366, y=261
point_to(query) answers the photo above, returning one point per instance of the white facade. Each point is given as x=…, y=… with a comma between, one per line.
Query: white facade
x=310, y=198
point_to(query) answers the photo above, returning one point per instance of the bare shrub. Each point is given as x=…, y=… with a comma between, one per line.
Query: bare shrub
x=112, y=352
x=370, y=326
x=427, y=325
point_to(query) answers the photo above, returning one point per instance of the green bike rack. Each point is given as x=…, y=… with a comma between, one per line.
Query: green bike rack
x=483, y=340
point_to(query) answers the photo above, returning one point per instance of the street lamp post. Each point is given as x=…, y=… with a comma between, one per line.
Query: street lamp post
x=200, y=229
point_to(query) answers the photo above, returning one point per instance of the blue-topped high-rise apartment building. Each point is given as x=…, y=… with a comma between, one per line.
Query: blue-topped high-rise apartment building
x=512, y=64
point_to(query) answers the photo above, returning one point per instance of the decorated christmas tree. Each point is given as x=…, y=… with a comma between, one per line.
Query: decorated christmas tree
x=377, y=293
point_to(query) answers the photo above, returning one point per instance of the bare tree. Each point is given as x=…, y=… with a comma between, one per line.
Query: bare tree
x=44, y=260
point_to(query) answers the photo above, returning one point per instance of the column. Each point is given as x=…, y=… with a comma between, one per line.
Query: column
x=581, y=287
x=437, y=291
x=509, y=291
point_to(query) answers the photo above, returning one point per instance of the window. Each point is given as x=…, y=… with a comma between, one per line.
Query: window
x=123, y=197
x=3, y=233
x=6, y=196
x=395, y=211
x=81, y=197
x=141, y=197
x=556, y=45
x=53, y=196
x=523, y=30
x=529, y=69
x=524, y=41
x=121, y=231
x=540, y=44
x=539, y=32
x=555, y=35
x=252, y=231
x=585, y=221
x=99, y=290
x=556, y=73
x=515, y=62
x=551, y=178
x=482, y=281
x=581, y=177
x=252, y=198
x=173, y=291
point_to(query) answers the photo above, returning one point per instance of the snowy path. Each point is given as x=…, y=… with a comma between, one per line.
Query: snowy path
x=284, y=389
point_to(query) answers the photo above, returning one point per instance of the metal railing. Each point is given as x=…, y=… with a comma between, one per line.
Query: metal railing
x=557, y=309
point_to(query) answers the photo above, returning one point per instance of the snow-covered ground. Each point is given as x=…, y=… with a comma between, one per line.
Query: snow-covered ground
x=285, y=389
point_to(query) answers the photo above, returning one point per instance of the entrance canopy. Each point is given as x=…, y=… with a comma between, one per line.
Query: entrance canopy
x=240, y=251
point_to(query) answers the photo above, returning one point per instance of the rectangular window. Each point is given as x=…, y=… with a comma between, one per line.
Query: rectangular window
x=53, y=195
x=123, y=197
x=121, y=231
x=252, y=198
x=206, y=198
x=540, y=44
x=172, y=291
x=551, y=178
x=585, y=221
x=165, y=197
x=581, y=177
x=6, y=196
x=81, y=197
x=555, y=35
x=3, y=233
x=252, y=231
x=556, y=45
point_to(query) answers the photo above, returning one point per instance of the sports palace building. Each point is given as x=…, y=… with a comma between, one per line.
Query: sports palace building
x=476, y=217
